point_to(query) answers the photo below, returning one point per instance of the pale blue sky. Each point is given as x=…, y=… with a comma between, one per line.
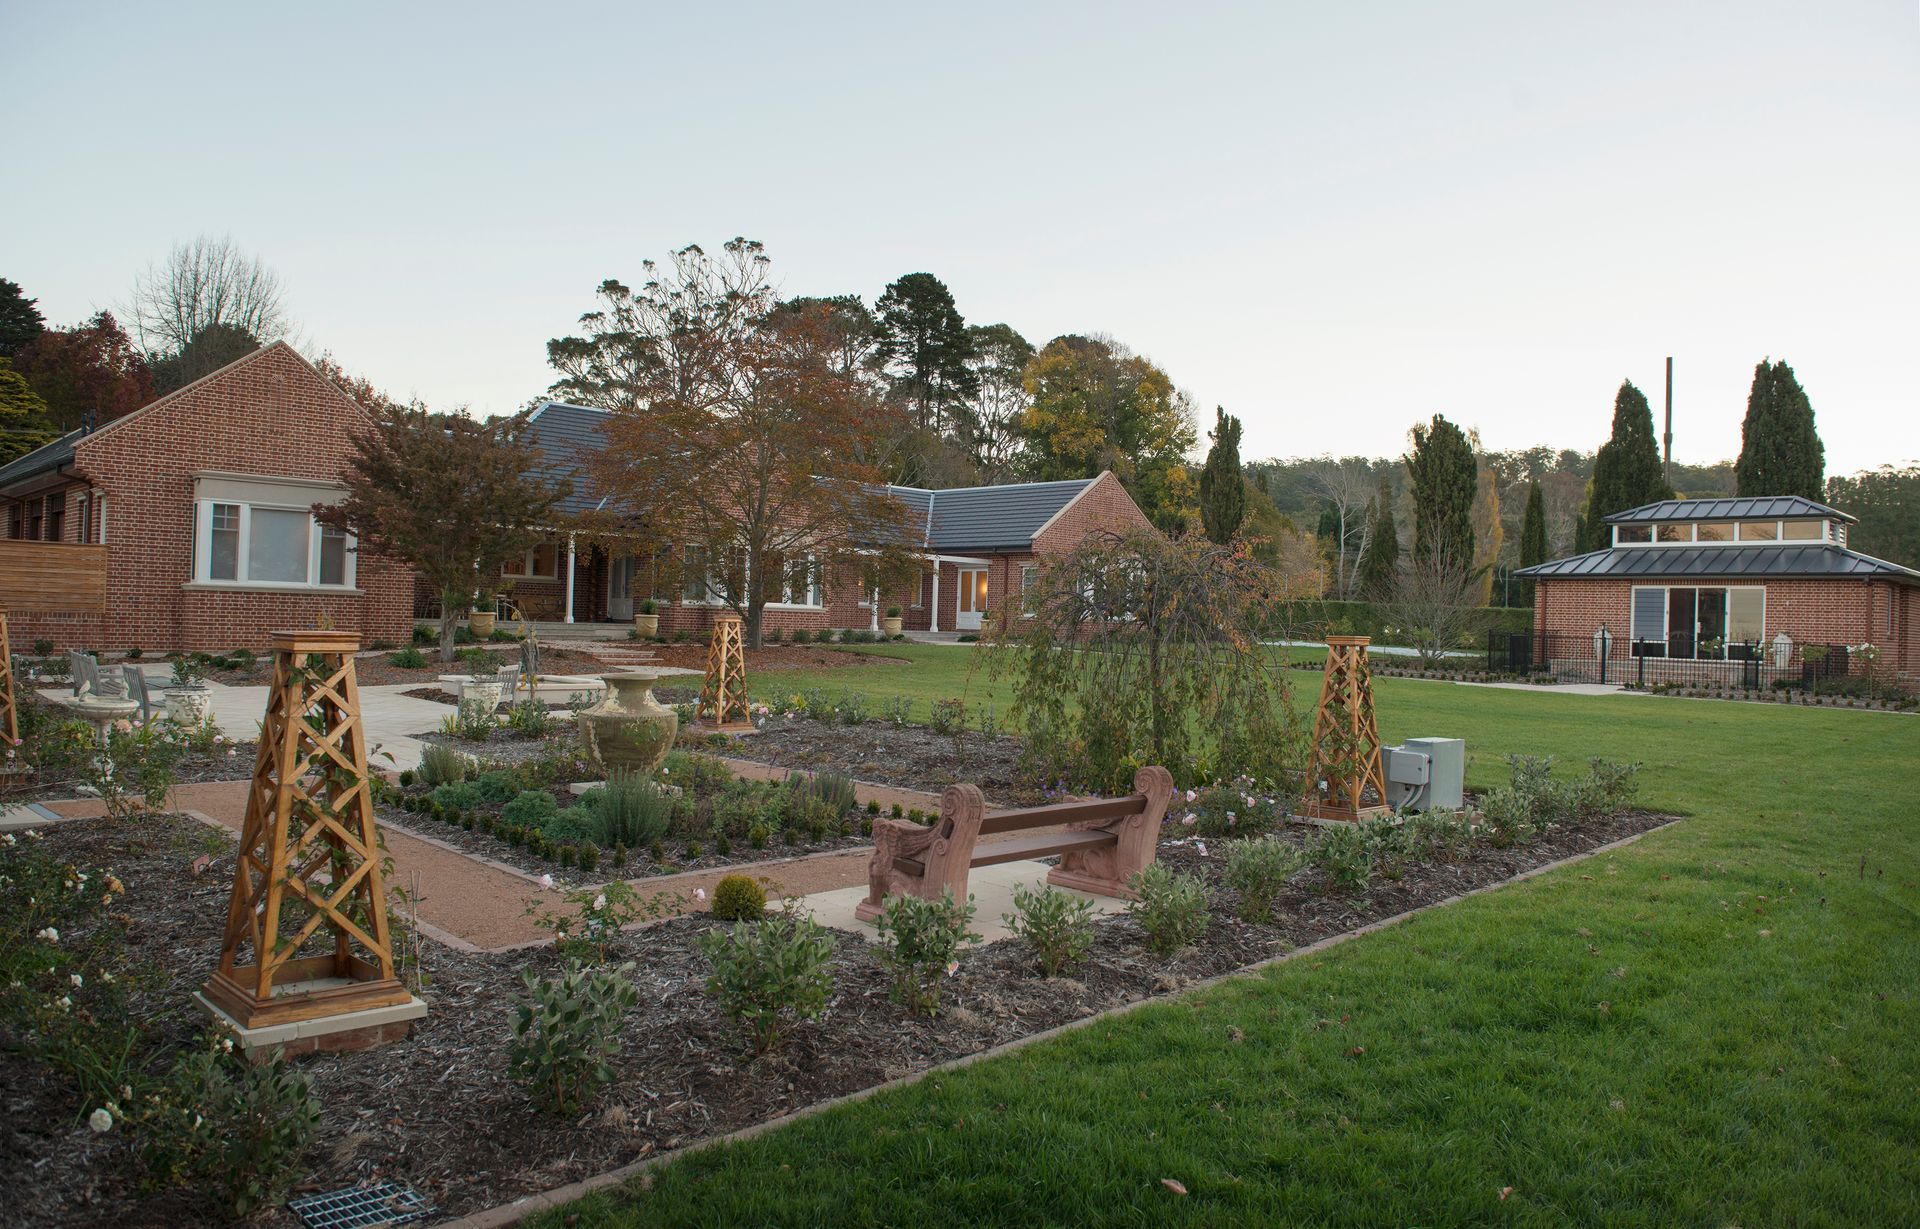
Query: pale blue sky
x=1334, y=219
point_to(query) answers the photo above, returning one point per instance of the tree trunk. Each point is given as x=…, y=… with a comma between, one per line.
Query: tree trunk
x=756, y=612
x=449, y=616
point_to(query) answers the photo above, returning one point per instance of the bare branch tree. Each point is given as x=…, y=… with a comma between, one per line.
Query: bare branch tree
x=1437, y=604
x=1347, y=484
x=203, y=285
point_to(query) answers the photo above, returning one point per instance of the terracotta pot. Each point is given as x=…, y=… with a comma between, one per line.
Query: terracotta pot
x=189, y=706
x=647, y=625
x=890, y=626
x=628, y=729
x=480, y=623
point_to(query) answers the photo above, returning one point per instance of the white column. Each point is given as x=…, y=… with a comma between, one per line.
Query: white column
x=873, y=609
x=569, y=578
x=933, y=617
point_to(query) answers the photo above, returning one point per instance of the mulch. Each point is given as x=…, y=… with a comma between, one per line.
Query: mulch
x=692, y=655
x=440, y=1111
x=909, y=757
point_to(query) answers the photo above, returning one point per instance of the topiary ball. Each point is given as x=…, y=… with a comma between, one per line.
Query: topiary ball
x=737, y=898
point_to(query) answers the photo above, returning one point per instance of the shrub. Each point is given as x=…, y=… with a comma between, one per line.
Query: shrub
x=800, y=636
x=576, y=823
x=737, y=898
x=633, y=811
x=237, y=1125
x=920, y=941
x=768, y=972
x=1057, y=925
x=1439, y=834
x=441, y=764
x=1258, y=870
x=1345, y=856
x=1609, y=786
x=566, y=1032
x=499, y=785
x=1171, y=909
x=1224, y=811
x=850, y=708
x=409, y=658
x=949, y=716
x=691, y=770
x=531, y=808
x=532, y=719
x=458, y=795
x=1391, y=843
x=896, y=711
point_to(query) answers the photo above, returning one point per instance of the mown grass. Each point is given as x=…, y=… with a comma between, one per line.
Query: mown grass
x=1715, y=1026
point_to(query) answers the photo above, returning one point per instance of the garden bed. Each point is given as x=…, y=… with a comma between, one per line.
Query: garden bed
x=440, y=1112
x=907, y=757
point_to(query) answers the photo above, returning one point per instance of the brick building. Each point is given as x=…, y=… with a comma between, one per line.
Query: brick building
x=187, y=524
x=975, y=543
x=1694, y=589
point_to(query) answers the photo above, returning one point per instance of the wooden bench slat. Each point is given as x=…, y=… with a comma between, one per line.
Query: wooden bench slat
x=1093, y=810
x=1039, y=845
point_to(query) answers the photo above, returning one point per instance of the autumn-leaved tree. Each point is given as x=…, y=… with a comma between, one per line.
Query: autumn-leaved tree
x=736, y=433
x=452, y=497
x=1139, y=648
x=90, y=373
x=1098, y=406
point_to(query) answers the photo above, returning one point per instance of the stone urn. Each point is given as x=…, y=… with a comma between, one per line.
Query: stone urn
x=190, y=704
x=482, y=691
x=628, y=729
x=647, y=626
x=480, y=623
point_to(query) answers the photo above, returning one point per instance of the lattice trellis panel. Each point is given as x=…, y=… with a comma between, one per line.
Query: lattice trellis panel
x=723, y=694
x=1344, y=777
x=9, y=716
x=308, y=874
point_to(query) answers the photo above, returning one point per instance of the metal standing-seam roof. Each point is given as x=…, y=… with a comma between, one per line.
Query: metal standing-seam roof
x=1750, y=508
x=1756, y=562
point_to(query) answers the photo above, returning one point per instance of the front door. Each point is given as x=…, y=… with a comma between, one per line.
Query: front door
x=1682, y=611
x=620, y=588
x=973, y=599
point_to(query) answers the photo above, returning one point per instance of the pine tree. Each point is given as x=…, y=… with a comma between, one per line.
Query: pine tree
x=20, y=319
x=1533, y=535
x=927, y=349
x=1445, y=477
x=1626, y=471
x=1380, y=563
x=1780, y=452
x=1223, y=492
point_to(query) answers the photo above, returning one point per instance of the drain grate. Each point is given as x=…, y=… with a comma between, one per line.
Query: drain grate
x=359, y=1207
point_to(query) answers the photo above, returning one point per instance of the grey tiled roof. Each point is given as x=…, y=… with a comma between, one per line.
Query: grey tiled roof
x=1755, y=562
x=959, y=519
x=44, y=459
x=1762, y=508
x=566, y=435
x=988, y=518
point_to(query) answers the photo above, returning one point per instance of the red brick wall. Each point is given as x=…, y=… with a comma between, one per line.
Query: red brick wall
x=1104, y=505
x=1812, y=610
x=270, y=414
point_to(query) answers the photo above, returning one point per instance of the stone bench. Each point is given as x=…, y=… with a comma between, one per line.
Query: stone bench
x=1106, y=842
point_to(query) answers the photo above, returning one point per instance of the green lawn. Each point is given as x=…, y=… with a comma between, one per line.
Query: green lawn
x=1716, y=1026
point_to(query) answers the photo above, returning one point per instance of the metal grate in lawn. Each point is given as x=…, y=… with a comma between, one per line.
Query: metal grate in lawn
x=357, y=1207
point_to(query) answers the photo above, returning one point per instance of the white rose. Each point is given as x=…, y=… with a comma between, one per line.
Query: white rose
x=600, y=901
x=100, y=1121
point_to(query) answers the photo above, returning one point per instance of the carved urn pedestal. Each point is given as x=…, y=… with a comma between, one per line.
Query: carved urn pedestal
x=628, y=729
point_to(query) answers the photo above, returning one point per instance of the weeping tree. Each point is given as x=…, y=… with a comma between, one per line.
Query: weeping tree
x=1139, y=649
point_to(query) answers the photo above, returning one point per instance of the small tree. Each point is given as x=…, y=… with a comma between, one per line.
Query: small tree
x=1437, y=603
x=1445, y=478
x=1223, y=492
x=448, y=495
x=1139, y=649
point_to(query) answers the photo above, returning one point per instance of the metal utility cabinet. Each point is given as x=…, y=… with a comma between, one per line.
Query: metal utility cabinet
x=1425, y=774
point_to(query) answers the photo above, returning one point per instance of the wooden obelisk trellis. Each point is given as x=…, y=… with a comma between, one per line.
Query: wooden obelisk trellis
x=1344, y=777
x=308, y=877
x=9, y=716
x=723, y=695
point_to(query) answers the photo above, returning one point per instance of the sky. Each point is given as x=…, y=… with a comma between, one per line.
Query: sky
x=1335, y=220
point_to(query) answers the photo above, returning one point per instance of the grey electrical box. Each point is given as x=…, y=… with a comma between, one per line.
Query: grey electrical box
x=1426, y=774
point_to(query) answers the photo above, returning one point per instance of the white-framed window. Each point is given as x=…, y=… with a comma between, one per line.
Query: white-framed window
x=697, y=587
x=261, y=545
x=540, y=562
x=800, y=584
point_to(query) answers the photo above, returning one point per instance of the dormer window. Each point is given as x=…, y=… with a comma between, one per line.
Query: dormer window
x=1627, y=535
x=1713, y=531
x=1759, y=531
x=1803, y=531
x=1673, y=533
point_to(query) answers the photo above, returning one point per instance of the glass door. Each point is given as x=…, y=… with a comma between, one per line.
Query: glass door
x=972, y=599
x=1682, y=605
x=620, y=588
x=1712, y=624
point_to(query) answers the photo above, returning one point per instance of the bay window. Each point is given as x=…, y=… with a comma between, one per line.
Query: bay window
x=260, y=532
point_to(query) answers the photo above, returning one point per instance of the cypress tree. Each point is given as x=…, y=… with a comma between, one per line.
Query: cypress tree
x=1780, y=452
x=1626, y=471
x=1381, y=562
x=1533, y=534
x=1223, y=492
x=1444, y=476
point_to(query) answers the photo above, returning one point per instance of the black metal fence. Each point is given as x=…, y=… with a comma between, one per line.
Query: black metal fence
x=1682, y=662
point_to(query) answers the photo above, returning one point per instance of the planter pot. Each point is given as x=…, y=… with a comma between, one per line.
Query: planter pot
x=480, y=623
x=890, y=626
x=478, y=692
x=189, y=706
x=648, y=626
x=628, y=729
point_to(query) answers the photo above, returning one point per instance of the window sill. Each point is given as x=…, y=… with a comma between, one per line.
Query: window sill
x=251, y=586
x=526, y=576
x=793, y=606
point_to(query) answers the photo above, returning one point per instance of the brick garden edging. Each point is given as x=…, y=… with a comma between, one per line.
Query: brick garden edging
x=507, y=1214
